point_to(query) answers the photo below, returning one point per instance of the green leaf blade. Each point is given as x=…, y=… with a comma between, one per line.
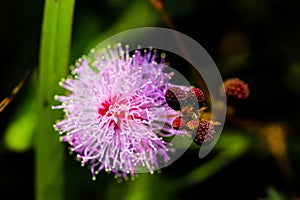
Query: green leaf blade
x=54, y=60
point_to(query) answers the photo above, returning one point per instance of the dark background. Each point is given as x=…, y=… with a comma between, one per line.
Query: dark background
x=257, y=41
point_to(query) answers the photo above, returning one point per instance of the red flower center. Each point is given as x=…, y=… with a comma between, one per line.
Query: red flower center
x=120, y=108
x=104, y=108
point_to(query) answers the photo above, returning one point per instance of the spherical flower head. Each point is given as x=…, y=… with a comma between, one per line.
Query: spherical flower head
x=205, y=133
x=174, y=97
x=116, y=115
x=236, y=90
x=198, y=94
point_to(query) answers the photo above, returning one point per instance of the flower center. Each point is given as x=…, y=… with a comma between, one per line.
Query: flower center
x=104, y=108
x=116, y=107
x=120, y=110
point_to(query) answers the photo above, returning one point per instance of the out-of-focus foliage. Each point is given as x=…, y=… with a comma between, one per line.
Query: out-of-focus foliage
x=257, y=41
x=20, y=131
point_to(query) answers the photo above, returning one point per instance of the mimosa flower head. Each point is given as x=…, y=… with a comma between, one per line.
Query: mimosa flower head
x=116, y=114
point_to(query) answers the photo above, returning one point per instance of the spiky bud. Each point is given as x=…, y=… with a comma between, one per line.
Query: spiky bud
x=236, y=90
x=174, y=97
x=196, y=94
x=178, y=123
x=205, y=133
x=192, y=124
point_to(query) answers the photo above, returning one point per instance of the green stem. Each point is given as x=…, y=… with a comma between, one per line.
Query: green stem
x=53, y=63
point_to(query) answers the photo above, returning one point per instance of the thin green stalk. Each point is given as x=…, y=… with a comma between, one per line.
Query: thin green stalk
x=53, y=63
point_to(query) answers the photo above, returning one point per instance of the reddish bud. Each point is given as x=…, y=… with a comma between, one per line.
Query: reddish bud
x=205, y=133
x=174, y=96
x=236, y=90
x=178, y=123
x=193, y=124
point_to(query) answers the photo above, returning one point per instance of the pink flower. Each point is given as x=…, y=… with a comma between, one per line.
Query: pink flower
x=116, y=115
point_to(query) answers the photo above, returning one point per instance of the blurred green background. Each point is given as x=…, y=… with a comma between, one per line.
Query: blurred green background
x=258, y=153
